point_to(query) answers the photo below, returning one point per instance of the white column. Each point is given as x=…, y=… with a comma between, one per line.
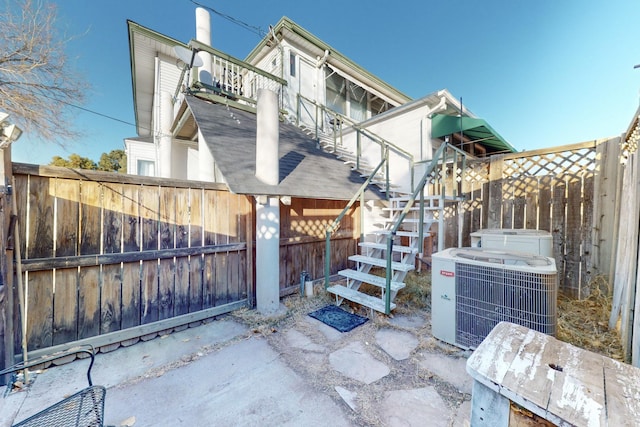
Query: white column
x=267, y=210
x=165, y=139
x=267, y=137
x=205, y=160
x=203, y=35
x=268, y=256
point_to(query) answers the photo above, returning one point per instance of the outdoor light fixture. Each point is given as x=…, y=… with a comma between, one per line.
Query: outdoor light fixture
x=8, y=131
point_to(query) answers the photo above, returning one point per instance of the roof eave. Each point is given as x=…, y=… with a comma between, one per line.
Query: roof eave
x=336, y=58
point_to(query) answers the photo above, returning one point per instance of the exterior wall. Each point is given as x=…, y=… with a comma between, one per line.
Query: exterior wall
x=410, y=131
x=138, y=150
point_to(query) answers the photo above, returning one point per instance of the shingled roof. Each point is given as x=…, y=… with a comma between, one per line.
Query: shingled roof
x=306, y=171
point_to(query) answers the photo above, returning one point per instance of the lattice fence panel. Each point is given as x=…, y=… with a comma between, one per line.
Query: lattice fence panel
x=545, y=190
x=554, y=192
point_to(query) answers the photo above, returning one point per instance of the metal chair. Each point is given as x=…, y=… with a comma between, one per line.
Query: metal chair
x=82, y=409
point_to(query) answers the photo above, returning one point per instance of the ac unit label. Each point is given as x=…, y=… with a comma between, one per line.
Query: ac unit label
x=446, y=273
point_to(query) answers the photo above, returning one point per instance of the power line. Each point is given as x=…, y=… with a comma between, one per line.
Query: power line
x=256, y=30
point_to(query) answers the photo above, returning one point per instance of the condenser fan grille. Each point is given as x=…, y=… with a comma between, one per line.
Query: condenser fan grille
x=487, y=295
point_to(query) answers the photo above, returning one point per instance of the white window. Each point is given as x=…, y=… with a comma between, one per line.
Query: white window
x=146, y=168
x=336, y=92
x=346, y=97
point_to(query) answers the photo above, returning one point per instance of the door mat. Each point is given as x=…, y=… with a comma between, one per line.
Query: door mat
x=337, y=318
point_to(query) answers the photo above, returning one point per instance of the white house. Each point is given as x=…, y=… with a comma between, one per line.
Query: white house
x=199, y=117
x=310, y=77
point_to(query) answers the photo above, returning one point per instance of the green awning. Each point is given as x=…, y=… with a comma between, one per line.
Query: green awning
x=477, y=130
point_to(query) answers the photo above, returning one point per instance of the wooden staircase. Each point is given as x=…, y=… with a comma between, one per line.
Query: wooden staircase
x=373, y=255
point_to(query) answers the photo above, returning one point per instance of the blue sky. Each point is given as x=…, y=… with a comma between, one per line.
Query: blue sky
x=543, y=73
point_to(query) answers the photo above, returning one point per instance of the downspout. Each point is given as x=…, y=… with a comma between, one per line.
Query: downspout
x=156, y=117
x=319, y=78
x=423, y=127
x=320, y=66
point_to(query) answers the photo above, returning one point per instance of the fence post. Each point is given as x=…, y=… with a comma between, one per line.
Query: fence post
x=494, y=219
x=7, y=331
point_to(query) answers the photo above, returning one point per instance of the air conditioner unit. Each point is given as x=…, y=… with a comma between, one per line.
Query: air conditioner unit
x=473, y=289
x=537, y=242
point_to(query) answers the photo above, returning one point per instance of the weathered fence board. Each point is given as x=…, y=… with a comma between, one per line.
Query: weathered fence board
x=108, y=257
x=90, y=216
x=130, y=294
x=65, y=305
x=89, y=302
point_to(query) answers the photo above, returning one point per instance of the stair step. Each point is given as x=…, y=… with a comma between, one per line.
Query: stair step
x=414, y=208
x=359, y=297
x=401, y=233
x=398, y=266
x=427, y=222
x=383, y=246
x=372, y=279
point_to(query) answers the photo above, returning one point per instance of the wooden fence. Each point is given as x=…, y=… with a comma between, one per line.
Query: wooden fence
x=626, y=295
x=108, y=258
x=566, y=191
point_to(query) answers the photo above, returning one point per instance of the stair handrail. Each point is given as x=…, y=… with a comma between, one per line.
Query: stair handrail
x=383, y=143
x=336, y=222
x=439, y=157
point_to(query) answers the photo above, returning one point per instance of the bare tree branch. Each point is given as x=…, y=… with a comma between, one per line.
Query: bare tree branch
x=37, y=84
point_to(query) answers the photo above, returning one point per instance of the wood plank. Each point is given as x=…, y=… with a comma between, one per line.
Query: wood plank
x=149, y=292
x=623, y=255
x=22, y=200
x=89, y=302
x=531, y=204
x=90, y=218
x=578, y=393
x=130, y=294
x=93, y=260
x=209, y=218
x=494, y=211
x=131, y=222
x=98, y=176
x=234, y=277
x=182, y=218
x=221, y=276
x=508, y=201
x=144, y=330
x=166, y=288
x=113, y=203
x=573, y=234
x=181, y=300
x=586, y=236
x=67, y=197
x=150, y=217
x=196, y=235
x=558, y=227
x=209, y=285
x=491, y=361
x=196, y=285
x=65, y=306
x=622, y=388
x=111, y=299
x=41, y=218
x=222, y=224
x=544, y=203
x=167, y=225
x=39, y=309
